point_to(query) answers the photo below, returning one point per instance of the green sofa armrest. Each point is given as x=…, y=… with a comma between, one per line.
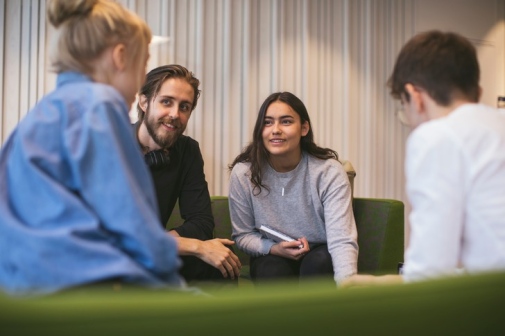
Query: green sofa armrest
x=380, y=225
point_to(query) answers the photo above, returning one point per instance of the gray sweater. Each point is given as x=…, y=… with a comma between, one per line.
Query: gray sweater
x=311, y=201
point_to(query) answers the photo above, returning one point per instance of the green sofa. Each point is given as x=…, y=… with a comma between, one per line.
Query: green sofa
x=380, y=225
x=467, y=305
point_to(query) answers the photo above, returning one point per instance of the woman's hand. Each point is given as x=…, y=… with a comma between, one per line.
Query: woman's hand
x=292, y=249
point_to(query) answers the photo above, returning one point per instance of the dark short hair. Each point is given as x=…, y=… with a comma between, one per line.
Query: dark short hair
x=156, y=77
x=443, y=64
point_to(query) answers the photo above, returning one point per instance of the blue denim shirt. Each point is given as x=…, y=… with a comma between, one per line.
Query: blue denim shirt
x=77, y=204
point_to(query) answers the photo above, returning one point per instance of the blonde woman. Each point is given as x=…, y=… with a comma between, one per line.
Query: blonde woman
x=77, y=204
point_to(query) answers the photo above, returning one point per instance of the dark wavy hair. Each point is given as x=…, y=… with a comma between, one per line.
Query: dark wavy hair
x=257, y=154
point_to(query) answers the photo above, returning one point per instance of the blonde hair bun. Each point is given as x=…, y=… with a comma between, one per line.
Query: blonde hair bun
x=86, y=28
x=59, y=11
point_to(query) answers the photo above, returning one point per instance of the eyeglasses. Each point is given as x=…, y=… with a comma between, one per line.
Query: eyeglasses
x=402, y=115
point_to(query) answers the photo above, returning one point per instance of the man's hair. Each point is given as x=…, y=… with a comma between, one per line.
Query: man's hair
x=443, y=64
x=256, y=152
x=155, y=79
x=86, y=28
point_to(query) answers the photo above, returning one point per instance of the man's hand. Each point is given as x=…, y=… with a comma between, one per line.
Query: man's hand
x=291, y=250
x=214, y=252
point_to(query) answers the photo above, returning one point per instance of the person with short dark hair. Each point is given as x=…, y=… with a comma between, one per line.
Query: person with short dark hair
x=283, y=181
x=166, y=102
x=455, y=162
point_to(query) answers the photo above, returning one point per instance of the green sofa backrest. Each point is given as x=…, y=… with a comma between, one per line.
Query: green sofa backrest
x=466, y=305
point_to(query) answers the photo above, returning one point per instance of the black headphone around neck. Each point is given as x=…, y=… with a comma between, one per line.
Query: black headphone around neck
x=157, y=159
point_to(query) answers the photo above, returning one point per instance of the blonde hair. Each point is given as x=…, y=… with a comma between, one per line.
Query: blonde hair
x=86, y=28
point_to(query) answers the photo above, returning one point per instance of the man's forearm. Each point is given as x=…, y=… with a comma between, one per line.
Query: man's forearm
x=186, y=246
x=200, y=227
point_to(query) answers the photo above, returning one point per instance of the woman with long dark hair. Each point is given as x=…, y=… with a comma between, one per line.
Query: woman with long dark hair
x=283, y=183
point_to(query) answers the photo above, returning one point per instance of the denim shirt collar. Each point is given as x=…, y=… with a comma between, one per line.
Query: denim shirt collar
x=71, y=77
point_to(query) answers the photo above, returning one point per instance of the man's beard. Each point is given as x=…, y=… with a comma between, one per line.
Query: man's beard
x=165, y=140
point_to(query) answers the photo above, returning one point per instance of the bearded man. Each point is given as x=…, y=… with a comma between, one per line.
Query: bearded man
x=166, y=101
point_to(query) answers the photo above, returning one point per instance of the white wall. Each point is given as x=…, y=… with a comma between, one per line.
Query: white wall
x=481, y=22
x=335, y=55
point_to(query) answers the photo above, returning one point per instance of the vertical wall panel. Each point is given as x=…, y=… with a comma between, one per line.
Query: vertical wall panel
x=38, y=60
x=12, y=67
x=231, y=119
x=25, y=53
x=2, y=66
x=211, y=89
x=222, y=84
x=246, y=120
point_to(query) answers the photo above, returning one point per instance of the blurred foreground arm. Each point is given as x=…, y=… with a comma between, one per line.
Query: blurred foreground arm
x=366, y=280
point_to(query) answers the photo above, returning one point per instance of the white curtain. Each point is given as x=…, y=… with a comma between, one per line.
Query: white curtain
x=335, y=55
